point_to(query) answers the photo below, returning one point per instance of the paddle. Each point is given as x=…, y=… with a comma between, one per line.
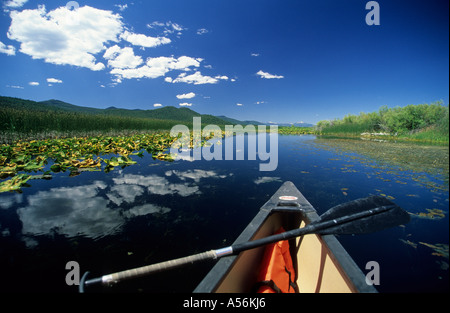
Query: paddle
x=356, y=217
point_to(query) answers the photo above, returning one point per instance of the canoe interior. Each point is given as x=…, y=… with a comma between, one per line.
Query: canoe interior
x=315, y=265
x=321, y=263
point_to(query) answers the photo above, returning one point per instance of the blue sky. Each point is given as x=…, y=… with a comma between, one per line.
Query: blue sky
x=267, y=60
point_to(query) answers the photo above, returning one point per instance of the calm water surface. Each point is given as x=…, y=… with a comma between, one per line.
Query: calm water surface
x=155, y=211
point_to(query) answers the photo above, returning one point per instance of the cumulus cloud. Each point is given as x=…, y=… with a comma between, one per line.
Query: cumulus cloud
x=157, y=105
x=63, y=36
x=9, y=50
x=15, y=4
x=186, y=96
x=268, y=76
x=185, y=104
x=143, y=40
x=33, y=83
x=221, y=77
x=70, y=37
x=158, y=67
x=122, y=58
x=197, y=79
x=54, y=81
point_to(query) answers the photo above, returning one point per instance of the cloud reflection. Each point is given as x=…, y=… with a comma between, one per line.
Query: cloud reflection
x=96, y=210
x=70, y=211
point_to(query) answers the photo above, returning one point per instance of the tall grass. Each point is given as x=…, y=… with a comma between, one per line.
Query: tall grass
x=34, y=124
x=427, y=122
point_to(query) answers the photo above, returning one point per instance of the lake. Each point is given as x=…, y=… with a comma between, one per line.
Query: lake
x=155, y=211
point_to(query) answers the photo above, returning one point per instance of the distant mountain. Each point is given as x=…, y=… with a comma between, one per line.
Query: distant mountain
x=292, y=124
x=182, y=115
x=235, y=121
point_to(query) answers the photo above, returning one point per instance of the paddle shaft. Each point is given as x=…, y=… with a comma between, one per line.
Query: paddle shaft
x=235, y=249
x=313, y=228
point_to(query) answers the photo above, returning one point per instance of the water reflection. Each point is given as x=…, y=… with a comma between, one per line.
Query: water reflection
x=147, y=208
x=70, y=211
x=99, y=209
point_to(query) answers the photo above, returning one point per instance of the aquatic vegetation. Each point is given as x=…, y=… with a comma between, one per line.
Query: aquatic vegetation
x=15, y=183
x=403, y=160
x=296, y=130
x=75, y=155
x=430, y=214
x=409, y=243
x=439, y=249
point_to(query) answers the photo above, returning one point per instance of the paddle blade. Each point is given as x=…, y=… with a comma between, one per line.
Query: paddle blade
x=392, y=215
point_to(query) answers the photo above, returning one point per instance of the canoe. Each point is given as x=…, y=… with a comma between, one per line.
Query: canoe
x=321, y=263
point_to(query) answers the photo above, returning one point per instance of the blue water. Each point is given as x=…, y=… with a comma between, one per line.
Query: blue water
x=154, y=211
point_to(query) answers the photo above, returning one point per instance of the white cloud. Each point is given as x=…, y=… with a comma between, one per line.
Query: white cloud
x=15, y=4
x=239, y=104
x=158, y=67
x=92, y=38
x=156, y=24
x=122, y=58
x=15, y=87
x=169, y=27
x=255, y=54
x=187, y=96
x=185, y=104
x=268, y=76
x=143, y=40
x=202, y=31
x=222, y=77
x=33, y=83
x=121, y=7
x=9, y=50
x=63, y=36
x=183, y=63
x=197, y=79
x=54, y=81
x=157, y=105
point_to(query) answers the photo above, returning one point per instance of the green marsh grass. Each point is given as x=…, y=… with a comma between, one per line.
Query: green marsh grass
x=423, y=122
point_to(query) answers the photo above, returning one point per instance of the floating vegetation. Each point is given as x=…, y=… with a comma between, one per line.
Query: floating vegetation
x=76, y=155
x=409, y=243
x=293, y=130
x=405, y=161
x=15, y=183
x=439, y=249
x=431, y=214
